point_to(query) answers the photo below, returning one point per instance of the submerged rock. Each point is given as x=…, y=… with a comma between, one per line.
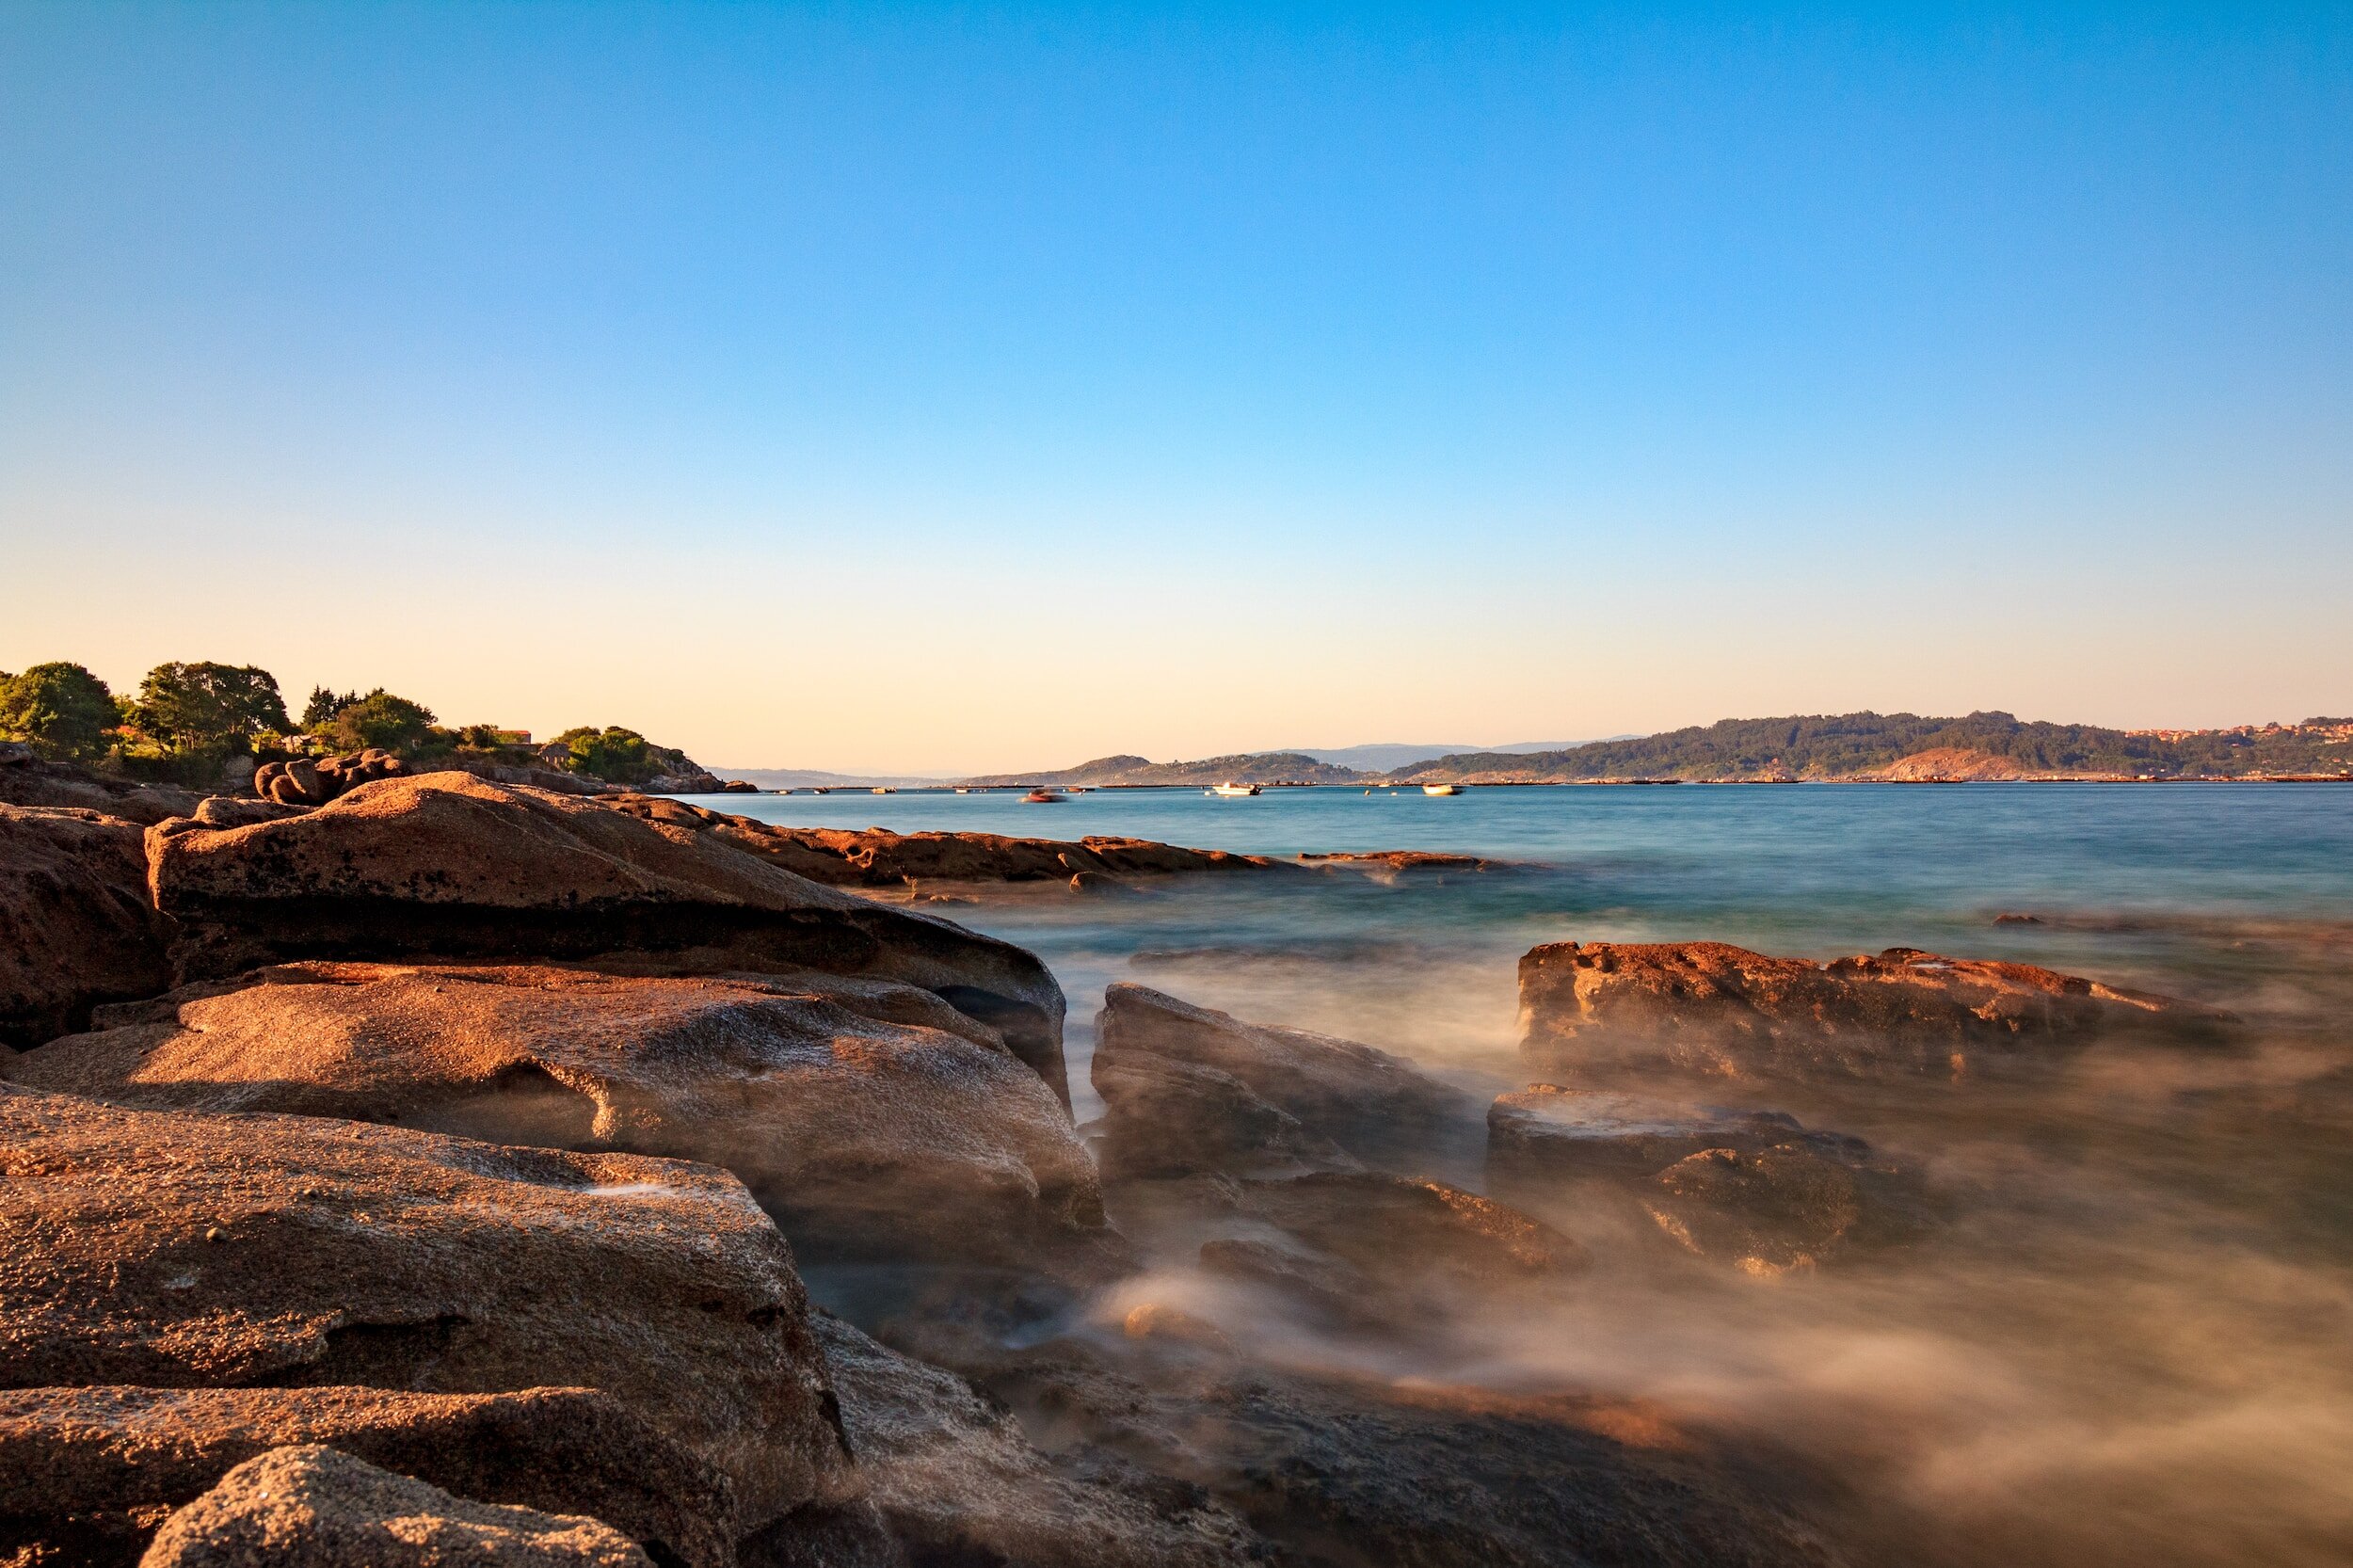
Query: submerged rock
x=1713, y=1010
x=864, y=1138
x=86, y=1473
x=448, y=865
x=1379, y=1107
x=312, y=1507
x=76, y=925
x=959, y=1482
x=1789, y=1207
x=1545, y=1130
x=190, y=1250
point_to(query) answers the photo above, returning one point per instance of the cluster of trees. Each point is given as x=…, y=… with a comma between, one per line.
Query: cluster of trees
x=186, y=719
x=66, y=713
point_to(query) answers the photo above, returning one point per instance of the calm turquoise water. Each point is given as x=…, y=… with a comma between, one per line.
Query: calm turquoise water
x=2241, y=894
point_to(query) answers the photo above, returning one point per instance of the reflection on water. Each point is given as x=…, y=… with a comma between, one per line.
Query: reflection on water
x=2132, y=1344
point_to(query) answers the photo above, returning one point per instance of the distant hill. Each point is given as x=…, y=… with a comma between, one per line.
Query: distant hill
x=1385, y=755
x=801, y=778
x=1907, y=747
x=1263, y=767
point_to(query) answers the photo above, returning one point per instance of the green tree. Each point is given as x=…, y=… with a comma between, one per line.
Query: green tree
x=319, y=713
x=615, y=755
x=197, y=707
x=381, y=719
x=61, y=711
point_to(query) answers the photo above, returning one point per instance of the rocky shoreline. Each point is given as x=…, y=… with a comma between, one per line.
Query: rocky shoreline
x=459, y=1153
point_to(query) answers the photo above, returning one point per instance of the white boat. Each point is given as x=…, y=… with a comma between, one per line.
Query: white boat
x=1442, y=789
x=1235, y=789
x=885, y=789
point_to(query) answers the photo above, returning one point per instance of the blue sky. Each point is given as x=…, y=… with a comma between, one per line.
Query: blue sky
x=956, y=387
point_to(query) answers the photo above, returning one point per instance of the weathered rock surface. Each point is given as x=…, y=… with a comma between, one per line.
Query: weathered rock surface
x=864, y=1138
x=1352, y=1473
x=29, y=781
x=85, y=1473
x=75, y=926
x=312, y=1507
x=877, y=858
x=1545, y=1130
x=1164, y=1117
x=1790, y=1206
x=450, y=865
x=1602, y=1008
x=190, y=1250
x=959, y=1482
x=1379, y=1107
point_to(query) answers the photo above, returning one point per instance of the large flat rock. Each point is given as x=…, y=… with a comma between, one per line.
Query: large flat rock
x=86, y=1472
x=190, y=1250
x=75, y=926
x=448, y=865
x=864, y=1138
x=1604, y=1008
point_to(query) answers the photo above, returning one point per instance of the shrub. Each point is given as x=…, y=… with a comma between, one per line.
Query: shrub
x=615, y=755
x=60, y=709
x=381, y=719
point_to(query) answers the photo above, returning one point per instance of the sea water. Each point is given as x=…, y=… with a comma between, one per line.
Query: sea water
x=2134, y=1341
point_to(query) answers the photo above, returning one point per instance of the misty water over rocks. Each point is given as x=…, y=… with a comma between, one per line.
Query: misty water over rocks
x=2118, y=1331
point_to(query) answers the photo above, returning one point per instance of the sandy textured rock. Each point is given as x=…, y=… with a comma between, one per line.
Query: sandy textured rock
x=877, y=858
x=75, y=926
x=1600, y=1009
x=452, y=866
x=959, y=1481
x=864, y=1138
x=86, y=1472
x=312, y=1507
x=190, y=1250
x=1379, y=1107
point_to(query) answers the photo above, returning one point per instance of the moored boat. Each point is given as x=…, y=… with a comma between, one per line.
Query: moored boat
x=1232, y=791
x=1442, y=789
x=1042, y=797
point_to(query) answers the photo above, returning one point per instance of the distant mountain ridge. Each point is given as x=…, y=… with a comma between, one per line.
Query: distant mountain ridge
x=1261, y=767
x=1907, y=747
x=1893, y=747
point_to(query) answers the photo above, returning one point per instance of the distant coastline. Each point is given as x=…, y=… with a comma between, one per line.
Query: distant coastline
x=1895, y=748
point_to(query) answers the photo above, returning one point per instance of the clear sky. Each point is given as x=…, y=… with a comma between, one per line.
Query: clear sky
x=943, y=388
